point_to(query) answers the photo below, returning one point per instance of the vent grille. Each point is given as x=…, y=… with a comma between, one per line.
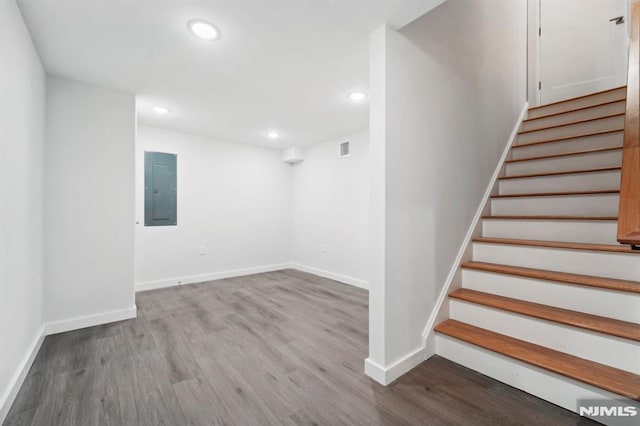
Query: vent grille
x=344, y=149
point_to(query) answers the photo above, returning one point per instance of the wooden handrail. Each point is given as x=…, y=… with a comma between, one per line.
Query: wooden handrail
x=629, y=212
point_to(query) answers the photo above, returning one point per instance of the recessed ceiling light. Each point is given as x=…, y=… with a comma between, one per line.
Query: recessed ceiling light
x=273, y=135
x=358, y=96
x=203, y=29
x=161, y=110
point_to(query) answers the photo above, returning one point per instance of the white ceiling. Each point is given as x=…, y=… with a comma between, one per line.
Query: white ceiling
x=286, y=65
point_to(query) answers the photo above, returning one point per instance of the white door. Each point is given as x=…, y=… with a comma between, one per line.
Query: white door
x=583, y=49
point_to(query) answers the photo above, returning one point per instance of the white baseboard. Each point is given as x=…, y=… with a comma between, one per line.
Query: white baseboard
x=89, y=321
x=192, y=279
x=428, y=334
x=386, y=375
x=17, y=380
x=356, y=282
x=375, y=371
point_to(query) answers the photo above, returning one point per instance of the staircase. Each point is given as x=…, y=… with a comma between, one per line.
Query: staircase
x=550, y=303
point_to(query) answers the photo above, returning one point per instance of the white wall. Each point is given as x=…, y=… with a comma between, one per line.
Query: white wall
x=331, y=210
x=22, y=100
x=446, y=92
x=89, y=205
x=233, y=199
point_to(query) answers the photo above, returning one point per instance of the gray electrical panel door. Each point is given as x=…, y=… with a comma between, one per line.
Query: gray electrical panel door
x=160, y=189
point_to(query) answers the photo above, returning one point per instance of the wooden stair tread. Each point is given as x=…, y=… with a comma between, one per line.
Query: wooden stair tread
x=561, y=277
x=599, y=375
x=566, y=154
x=585, y=120
x=558, y=244
x=557, y=194
x=577, y=97
x=569, y=111
x=572, y=172
x=540, y=217
x=565, y=138
x=612, y=327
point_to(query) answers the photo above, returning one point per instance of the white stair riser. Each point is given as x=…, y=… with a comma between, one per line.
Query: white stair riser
x=566, y=164
x=571, y=205
x=597, y=232
x=544, y=384
x=591, y=300
x=595, y=181
x=572, y=116
x=597, y=347
x=625, y=266
x=607, y=140
x=610, y=123
x=595, y=99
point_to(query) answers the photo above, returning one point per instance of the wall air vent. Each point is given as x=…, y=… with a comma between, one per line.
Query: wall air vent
x=344, y=149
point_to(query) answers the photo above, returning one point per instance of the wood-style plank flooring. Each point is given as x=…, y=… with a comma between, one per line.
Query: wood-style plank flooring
x=276, y=348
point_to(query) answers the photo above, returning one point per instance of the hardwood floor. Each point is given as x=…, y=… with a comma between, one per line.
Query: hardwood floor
x=276, y=348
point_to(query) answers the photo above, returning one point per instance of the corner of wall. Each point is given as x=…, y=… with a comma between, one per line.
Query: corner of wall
x=356, y=282
x=377, y=185
x=386, y=375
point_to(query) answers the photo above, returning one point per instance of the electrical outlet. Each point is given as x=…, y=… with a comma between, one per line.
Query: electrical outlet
x=323, y=249
x=203, y=250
